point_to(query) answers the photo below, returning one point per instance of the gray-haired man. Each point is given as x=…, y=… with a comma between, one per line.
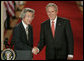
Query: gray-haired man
x=23, y=35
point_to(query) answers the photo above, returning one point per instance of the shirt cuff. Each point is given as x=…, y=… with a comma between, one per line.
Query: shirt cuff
x=70, y=55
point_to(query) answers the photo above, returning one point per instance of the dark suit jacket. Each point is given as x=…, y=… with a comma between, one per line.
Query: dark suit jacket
x=62, y=44
x=19, y=39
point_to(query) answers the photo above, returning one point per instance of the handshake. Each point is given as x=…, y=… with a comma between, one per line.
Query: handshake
x=35, y=50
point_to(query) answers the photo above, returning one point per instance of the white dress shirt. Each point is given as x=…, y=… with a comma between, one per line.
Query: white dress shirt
x=55, y=21
x=25, y=26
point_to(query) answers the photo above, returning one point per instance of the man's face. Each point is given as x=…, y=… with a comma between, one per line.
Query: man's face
x=51, y=12
x=28, y=18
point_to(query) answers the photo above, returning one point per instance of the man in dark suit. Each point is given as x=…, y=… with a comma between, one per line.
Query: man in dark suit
x=23, y=36
x=57, y=35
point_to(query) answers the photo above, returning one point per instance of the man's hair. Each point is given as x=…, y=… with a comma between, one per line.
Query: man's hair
x=52, y=4
x=22, y=15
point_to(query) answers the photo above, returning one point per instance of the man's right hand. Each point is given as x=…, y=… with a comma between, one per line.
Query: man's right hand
x=35, y=50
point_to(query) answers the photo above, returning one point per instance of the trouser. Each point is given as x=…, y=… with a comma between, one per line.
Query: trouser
x=56, y=55
x=24, y=55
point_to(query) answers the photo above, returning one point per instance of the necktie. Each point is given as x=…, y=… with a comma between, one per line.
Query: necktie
x=53, y=28
x=27, y=32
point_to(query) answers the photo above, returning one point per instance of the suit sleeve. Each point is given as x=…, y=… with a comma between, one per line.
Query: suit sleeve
x=15, y=37
x=31, y=38
x=70, y=40
x=42, y=39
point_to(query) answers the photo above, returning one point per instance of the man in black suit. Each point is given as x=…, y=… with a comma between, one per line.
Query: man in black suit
x=23, y=36
x=56, y=35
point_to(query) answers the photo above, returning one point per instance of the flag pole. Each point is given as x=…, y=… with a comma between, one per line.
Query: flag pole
x=2, y=26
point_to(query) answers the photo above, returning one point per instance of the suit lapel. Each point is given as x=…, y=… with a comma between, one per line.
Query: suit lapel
x=57, y=24
x=29, y=31
x=56, y=27
x=49, y=28
x=23, y=31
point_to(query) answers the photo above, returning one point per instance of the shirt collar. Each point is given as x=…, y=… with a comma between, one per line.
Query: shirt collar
x=54, y=20
x=24, y=24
